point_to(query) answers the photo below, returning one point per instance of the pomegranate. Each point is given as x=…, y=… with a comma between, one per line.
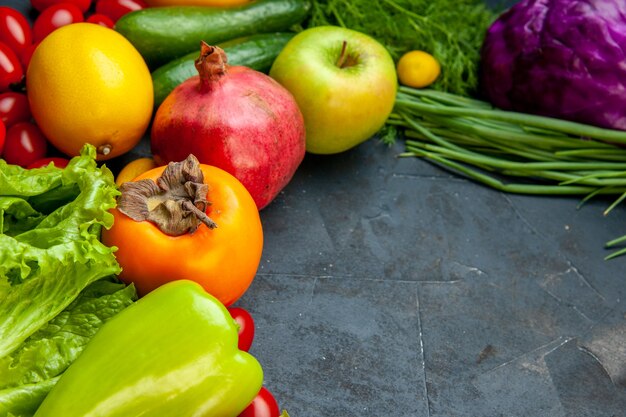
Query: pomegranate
x=234, y=118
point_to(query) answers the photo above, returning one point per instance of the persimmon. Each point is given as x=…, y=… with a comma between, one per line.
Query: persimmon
x=189, y=221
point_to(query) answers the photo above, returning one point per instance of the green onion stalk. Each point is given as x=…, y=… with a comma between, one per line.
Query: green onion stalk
x=512, y=152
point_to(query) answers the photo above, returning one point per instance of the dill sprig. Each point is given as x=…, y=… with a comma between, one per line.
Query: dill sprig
x=451, y=30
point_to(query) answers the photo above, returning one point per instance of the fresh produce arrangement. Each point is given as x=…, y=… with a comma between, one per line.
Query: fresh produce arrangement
x=64, y=215
x=450, y=30
x=31, y=370
x=58, y=284
x=226, y=116
x=161, y=34
x=548, y=119
x=256, y=52
x=231, y=95
x=184, y=361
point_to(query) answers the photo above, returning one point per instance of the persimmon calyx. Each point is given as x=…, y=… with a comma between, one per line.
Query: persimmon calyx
x=175, y=203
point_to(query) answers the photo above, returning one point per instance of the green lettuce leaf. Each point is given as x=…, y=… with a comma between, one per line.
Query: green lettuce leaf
x=24, y=400
x=49, y=241
x=30, y=371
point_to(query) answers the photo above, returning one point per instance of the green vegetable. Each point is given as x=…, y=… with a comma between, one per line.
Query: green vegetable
x=172, y=353
x=450, y=30
x=552, y=156
x=161, y=34
x=256, y=51
x=49, y=241
x=509, y=151
x=30, y=372
x=469, y=136
x=23, y=400
x=513, y=152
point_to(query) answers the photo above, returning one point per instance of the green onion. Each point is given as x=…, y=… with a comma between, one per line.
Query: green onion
x=512, y=152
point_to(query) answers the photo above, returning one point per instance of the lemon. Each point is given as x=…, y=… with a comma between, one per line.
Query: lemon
x=418, y=69
x=87, y=84
x=133, y=169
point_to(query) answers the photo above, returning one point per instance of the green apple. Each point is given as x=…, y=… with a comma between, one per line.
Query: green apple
x=344, y=82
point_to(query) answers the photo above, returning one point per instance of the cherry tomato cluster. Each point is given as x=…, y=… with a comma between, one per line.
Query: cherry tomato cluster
x=56, y=13
x=264, y=404
x=21, y=141
x=18, y=39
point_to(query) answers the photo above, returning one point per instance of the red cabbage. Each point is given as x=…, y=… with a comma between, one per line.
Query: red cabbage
x=559, y=58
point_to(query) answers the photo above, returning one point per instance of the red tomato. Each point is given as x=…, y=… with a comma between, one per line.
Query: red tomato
x=11, y=70
x=58, y=162
x=24, y=144
x=246, y=327
x=263, y=405
x=102, y=20
x=14, y=108
x=15, y=30
x=3, y=132
x=27, y=54
x=55, y=17
x=115, y=9
x=42, y=5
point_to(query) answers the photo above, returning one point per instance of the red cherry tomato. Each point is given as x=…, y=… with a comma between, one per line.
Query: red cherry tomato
x=24, y=144
x=27, y=54
x=102, y=20
x=115, y=9
x=246, y=327
x=14, y=108
x=42, y=5
x=55, y=17
x=15, y=30
x=263, y=405
x=43, y=162
x=3, y=132
x=11, y=70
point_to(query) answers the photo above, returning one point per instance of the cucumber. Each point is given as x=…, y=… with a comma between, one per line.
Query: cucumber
x=161, y=34
x=255, y=51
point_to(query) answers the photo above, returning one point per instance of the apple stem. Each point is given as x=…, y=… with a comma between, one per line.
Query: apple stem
x=342, y=56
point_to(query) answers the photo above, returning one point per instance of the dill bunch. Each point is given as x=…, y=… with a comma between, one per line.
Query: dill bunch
x=450, y=30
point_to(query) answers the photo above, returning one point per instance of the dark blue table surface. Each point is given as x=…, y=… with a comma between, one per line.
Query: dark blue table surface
x=390, y=287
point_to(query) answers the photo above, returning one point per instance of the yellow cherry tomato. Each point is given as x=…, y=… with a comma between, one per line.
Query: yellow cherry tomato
x=133, y=169
x=418, y=69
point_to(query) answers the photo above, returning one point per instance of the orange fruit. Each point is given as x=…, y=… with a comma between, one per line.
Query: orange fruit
x=133, y=169
x=418, y=69
x=87, y=84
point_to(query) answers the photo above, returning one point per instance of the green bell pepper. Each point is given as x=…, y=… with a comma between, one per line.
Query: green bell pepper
x=173, y=353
